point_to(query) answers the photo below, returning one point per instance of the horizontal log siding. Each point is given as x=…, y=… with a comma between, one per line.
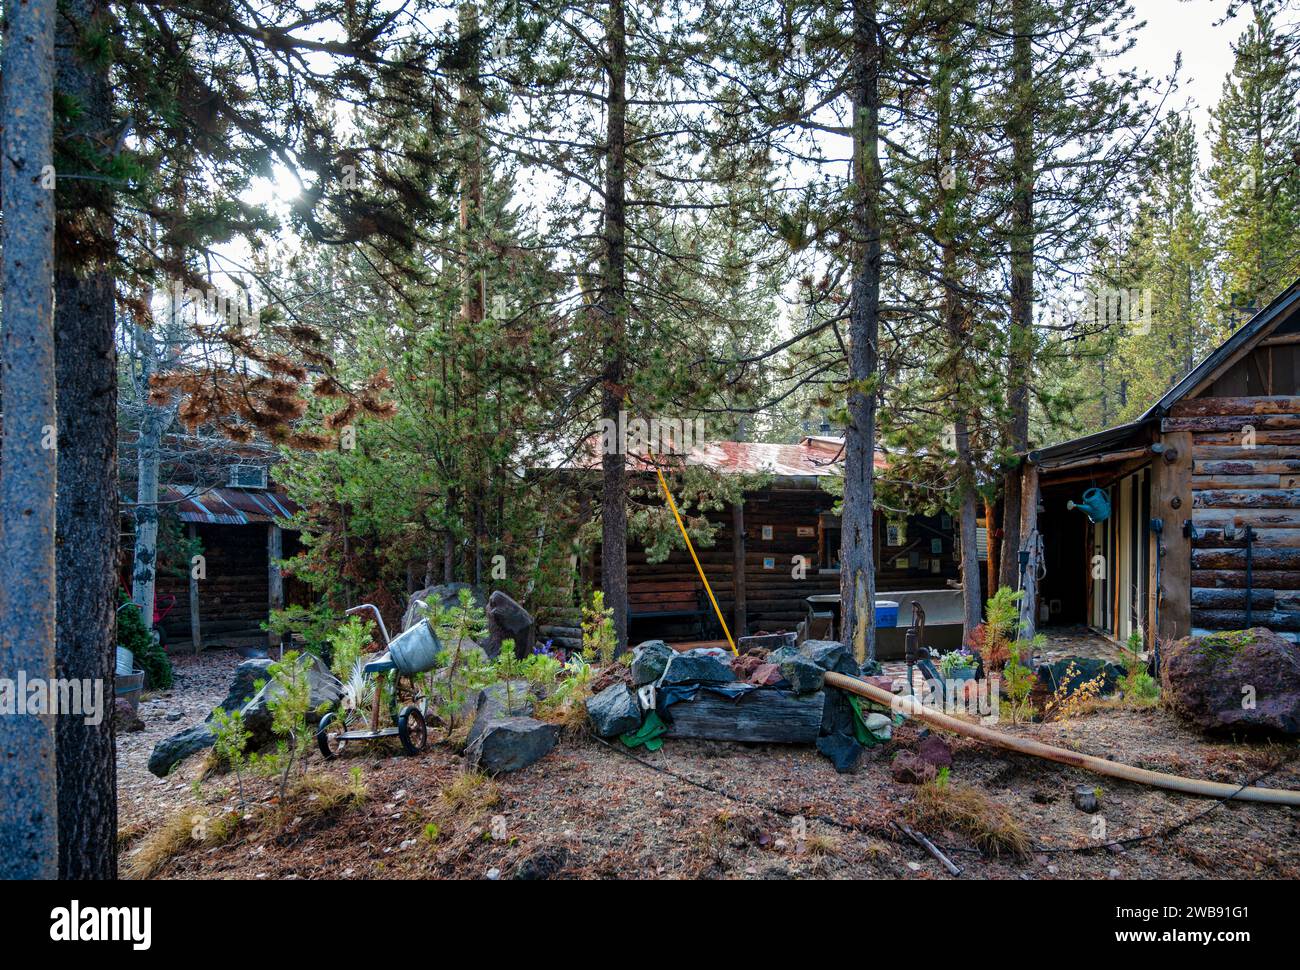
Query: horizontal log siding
x=1237, y=482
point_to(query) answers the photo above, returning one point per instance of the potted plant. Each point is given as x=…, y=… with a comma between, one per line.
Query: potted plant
x=958, y=665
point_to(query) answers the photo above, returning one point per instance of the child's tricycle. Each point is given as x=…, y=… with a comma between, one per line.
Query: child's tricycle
x=413, y=652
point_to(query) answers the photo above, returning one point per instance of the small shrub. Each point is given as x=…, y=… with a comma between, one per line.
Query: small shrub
x=599, y=640
x=347, y=643
x=231, y=743
x=139, y=639
x=316, y=625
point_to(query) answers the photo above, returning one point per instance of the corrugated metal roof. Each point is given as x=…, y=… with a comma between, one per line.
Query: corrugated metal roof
x=227, y=506
x=814, y=456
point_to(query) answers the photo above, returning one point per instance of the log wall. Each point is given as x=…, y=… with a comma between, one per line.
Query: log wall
x=1245, y=473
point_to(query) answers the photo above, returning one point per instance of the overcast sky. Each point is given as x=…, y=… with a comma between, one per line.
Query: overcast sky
x=1188, y=26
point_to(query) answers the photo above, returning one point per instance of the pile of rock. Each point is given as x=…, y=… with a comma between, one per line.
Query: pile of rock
x=759, y=696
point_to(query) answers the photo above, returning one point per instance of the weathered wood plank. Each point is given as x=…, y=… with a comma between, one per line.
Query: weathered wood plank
x=1231, y=451
x=1259, y=518
x=1223, y=539
x=1230, y=599
x=1274, y=579
x=1234, y=438
x=1203, y=482
x=1197, y=406
x=771, y=716
x=1261, y=558
x=1247, y=467
x=1261, y=498
x=1260, y=422
x=1236, y=619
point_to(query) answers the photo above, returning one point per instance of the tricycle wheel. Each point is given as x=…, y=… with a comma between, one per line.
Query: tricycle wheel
x=330, y=726
x=411, y=730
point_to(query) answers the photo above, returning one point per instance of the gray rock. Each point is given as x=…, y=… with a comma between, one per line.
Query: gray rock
x=614, y=711
x=325, y=691
x=243, y=686
x=1085, y=798
x=804, y=675
x=831, y=656
x=843, y=751
x=694, y=668
x=169, y=752
x=781, y=654
x=1056, y=675
x=837, y=713
x=445, y=595
x=125, y=719
x=507, y=620
x=511, y=743
x=489, y=704
x=879, y=725
x=649, y=660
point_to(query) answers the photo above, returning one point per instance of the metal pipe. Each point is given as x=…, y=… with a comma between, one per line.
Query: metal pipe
x=1192, y=786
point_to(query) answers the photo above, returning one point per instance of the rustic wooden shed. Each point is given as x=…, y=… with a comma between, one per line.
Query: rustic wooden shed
x=1204, y=496
x=774, y=549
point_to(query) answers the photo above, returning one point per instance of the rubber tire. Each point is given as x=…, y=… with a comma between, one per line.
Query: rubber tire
x=322, y=736
x=411, y=728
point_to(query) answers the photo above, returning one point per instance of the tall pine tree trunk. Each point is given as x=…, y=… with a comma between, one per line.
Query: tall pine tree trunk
x=613, y=314
x=1020, y=357
x=87, y=504
x=28, y=461
x=857, y=557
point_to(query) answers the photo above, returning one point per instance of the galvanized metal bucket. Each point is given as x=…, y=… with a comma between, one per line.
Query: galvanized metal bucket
x=416, y=650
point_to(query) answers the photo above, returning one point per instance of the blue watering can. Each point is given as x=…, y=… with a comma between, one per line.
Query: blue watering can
x=1094, y=504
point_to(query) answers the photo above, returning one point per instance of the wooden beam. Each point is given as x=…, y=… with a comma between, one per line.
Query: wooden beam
x=275, y=579
x=741, y=619
x=1212, y=406
x=1171, y=502
x=763, y=715
x=1103, y=458
x=196, y=634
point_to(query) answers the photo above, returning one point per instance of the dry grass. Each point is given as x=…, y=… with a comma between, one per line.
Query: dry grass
x=570, y=717
x=819, y=845
x=992, y=828
x=184, y=829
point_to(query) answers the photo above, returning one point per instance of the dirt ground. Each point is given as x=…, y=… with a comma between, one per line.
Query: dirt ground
x=768, y=812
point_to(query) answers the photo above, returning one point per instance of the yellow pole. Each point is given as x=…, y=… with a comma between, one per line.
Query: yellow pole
x=700, y=569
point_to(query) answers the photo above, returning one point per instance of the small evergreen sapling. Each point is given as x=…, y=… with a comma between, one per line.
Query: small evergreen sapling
x=231, y=742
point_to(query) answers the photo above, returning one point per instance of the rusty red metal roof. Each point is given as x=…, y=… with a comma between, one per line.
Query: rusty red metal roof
x=814, y=456
x=226, y=506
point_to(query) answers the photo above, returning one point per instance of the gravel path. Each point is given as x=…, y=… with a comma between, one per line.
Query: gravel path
x=201, y=682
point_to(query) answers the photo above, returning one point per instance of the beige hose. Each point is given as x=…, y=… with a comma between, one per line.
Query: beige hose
x=1192, y=786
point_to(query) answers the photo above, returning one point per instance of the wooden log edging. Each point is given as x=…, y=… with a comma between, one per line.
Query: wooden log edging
x=910, y=707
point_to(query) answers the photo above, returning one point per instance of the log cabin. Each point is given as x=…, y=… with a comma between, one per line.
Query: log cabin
x=772, y=550
x=1203, y=492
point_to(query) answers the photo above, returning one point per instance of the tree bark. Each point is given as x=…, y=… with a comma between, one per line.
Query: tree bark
x=857, y=558
x=144, y=558
x=87, y=503
x=28, y=461
x=613, y=313
x=1020, y=356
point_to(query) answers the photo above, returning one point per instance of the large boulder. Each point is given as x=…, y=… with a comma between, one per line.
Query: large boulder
x=649, y=660
x=614, y=711
x=445, y=595
x=494, y=702
x=507, y=620
x=169, y=752
x=1245, y=680
x=245, y=683
x=325, y=691
x=510, y=743
x=695, y=668
x=125, y=718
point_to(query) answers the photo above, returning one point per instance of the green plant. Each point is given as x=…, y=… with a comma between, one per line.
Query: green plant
x=316, y=625
x=599, y=639
x=288, y=701
x=231, y=742
x=347, y=643
x=509, y=669
x=1018, y=679
x=136, y=637
x=1137, y=684
x=956, y=660
x=460, y=671
x=543, y=671
x=1000, y=626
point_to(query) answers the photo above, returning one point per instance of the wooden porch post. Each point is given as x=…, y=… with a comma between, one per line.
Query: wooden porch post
x=196, y=636
x=275, y=580
x=1171, y=501
x=1029, y=538
x=738, y=566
